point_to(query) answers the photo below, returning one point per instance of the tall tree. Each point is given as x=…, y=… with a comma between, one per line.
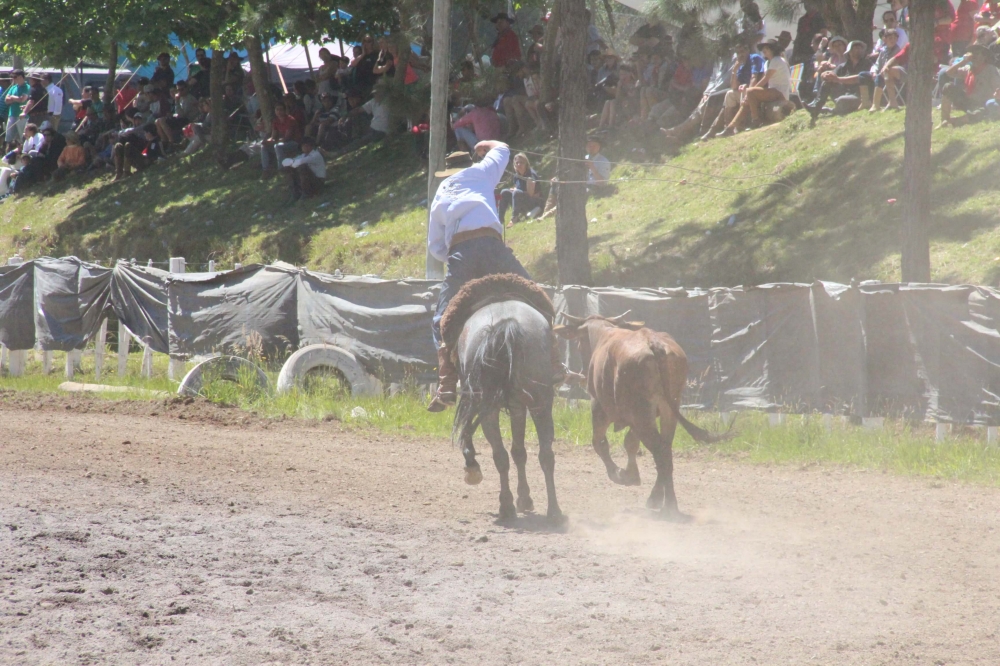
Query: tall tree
x=572, y=244
x=916, y=254
x=217, y=90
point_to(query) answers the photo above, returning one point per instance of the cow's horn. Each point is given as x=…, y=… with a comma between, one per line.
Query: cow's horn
x=619, y=318
x=571, y=319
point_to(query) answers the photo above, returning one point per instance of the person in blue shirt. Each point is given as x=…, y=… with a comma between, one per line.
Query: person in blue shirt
x=746, y=71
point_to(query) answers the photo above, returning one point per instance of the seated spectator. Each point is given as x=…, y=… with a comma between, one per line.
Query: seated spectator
x=774, y=86
x=326, y=75
x=169, y=128
x=306, y=172
x=606, y=86
x=235, y=75
x=143, y=99
x=598, y=166
x=963, y=27
x=286, y=133
x=524, y=197
x=127, y=151
x=323, y=120
x=385, y=64
x=515, y=99
x=29, y=173
x=981, y=82
x=833, y=57
x=876, y=78
x=889, y=23
x=650, y=37
x=163, y=75
x=33, y=140
x=199, y=131
x=125, y=96
x=91, y=128
x=533, y=88
x=626, y=99
x=479, y=123
x=73, y=158
x=844, y=85
x=54, y=145
x=295, y=108
x=200, y=75
x=378, y=126
x=537, y=46
x=304, y=100
x=746, y=72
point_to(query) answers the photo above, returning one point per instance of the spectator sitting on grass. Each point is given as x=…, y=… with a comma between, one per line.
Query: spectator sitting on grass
x=524, y=196
x=33, y=140
x=774, y=86
x=479, y=123
x=849, y=90
x=306, y=172
x=72, y=158
x=746, y=72
x=128, y=149
x=981, y=82
x=169, y=128
x=598, y=166
x=324, y=118
x=55, y=143
x=378, y=128
x=286, y=133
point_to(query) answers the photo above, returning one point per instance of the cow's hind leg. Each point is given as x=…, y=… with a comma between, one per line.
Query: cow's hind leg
x=599, y=424
x=663, y=456
x=650, y=437
x=491, y=429
x=630, y=475
x=518, y=416
x=542, y=417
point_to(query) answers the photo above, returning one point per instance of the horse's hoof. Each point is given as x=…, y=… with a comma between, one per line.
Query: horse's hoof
x=655, y=501
x=525, y=504
x=473, y=476
x=557, y=517
x=627, y=478
x=675, y=516
x=617, y=476
x=508, y=514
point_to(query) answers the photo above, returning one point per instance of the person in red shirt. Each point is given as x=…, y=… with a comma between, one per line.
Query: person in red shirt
x=507, y=47
x=963, y=28
x=125, y=95
x=944, y=14
x=286, y=133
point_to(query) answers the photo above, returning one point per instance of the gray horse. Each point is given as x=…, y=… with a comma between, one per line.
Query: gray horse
x=504, y=359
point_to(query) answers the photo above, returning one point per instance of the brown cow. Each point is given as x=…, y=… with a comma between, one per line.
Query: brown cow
x=635, y=374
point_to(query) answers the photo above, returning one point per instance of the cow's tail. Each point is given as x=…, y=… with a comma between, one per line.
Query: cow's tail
x=698, y=434
x=490, y=376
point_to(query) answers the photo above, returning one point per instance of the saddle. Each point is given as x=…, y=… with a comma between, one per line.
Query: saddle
x=483, y=291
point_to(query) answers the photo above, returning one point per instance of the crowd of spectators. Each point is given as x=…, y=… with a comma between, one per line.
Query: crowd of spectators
x=666, y=87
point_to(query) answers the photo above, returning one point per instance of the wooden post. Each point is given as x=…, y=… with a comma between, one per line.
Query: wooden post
x=123, y=344
x=102, y=337
x=440, y=67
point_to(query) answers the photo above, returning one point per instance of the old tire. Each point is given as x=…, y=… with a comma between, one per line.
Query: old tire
x=229, y=368
x=317, y=356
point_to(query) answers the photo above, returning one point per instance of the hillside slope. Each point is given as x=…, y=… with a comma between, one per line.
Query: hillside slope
x=711, y=216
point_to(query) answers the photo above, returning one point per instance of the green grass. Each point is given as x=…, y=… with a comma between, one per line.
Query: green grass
x=833, y=223
x=898, y=448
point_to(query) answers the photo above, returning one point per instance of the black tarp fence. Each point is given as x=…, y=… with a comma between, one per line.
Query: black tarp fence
x=916, y=350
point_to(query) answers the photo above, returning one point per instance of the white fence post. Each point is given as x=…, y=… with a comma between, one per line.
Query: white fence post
x=147, y=361
x=175, y=370
x=102, y=338
x=991, y=435
x=18, y=362
x=211, y=265
x=3, y=357
x=46, y=361
x=941, y=431
x=123, y=343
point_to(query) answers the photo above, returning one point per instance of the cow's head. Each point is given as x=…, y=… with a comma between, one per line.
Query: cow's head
x=576, y=327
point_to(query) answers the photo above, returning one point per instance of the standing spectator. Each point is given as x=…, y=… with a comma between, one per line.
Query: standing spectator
x=364, y=66
x=981, y=82
x=594, y=41
x=385, y=65
x=235, y=76
x=15, y=98
x=37, y=108
x=480, y=123
x=515, y=99
x=809, y=25
x=507, y=46
x=306, y=172
x=125, y=95
x=163, y=75
x=55, y=100
x=774, y=86
x=327, y=72
x=199, y=81
x=534, y=56
x=944, y=15
x=286, y=133
x=963, y=27
x=524, y=197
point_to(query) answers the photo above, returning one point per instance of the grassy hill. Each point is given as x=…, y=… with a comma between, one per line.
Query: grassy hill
x=711, y=216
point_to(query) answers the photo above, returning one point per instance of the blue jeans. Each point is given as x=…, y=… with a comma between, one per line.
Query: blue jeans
x=471, y=259
x=271, y=155
x=467, y=135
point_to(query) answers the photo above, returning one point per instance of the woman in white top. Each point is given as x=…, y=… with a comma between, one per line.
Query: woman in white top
x=774, y=86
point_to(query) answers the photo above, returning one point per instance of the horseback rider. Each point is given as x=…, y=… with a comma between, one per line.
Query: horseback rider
x=465, y=233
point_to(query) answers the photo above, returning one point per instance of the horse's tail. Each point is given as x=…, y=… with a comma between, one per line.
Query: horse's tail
x=489, y=378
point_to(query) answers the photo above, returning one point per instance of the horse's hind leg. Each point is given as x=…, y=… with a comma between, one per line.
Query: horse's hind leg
x=473, y=474
x=518, y=416
x=491, y=429
x=542, y=416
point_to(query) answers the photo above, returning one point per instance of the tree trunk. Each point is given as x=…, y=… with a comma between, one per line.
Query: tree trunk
x=217, y=90
x=260, y=74
x=550, y=60
x=572, y=246
x=109, y=84
x=916, y=259
x=472, y=27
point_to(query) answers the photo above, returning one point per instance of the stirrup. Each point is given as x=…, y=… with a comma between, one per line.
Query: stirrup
x=442, y=401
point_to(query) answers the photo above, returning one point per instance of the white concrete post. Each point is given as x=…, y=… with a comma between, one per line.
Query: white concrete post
x=873, y=422
x=941, y=431
x=149, y=264
x=46, y=361
x=991, y=435
x=123, y=342
x=147, y=362
x=3, y=357
x=828, y=422
x=175, y=370
x=18, y=362
x=211, y=265
x=237, y=267
x=70, y=365
x=102, y=338
x=775, y=420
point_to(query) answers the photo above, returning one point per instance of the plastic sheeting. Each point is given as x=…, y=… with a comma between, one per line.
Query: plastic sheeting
x=920, y=351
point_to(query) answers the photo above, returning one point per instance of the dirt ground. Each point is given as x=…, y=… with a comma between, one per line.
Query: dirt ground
x=135, y=533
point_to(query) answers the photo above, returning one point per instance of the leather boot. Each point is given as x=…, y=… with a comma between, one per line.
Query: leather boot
x=558, y=369
x=447, y=382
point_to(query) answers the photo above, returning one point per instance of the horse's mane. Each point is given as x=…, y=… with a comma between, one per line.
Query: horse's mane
x=491, y=289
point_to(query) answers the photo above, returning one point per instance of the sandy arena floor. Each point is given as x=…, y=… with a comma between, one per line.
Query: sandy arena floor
x=189, y=533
